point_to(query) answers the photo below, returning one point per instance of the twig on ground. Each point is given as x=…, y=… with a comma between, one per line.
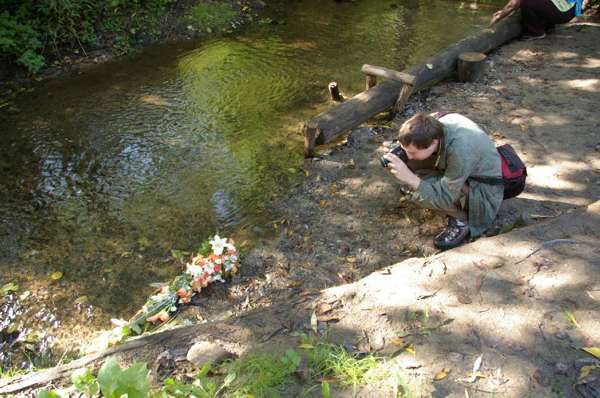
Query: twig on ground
x=547, y=244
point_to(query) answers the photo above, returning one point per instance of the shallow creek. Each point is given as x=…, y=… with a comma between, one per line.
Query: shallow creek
x=103, y=174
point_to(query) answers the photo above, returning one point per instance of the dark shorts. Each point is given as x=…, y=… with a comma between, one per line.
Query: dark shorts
x=540, y=15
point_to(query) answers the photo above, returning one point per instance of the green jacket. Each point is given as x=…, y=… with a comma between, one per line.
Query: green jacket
x=465, y=151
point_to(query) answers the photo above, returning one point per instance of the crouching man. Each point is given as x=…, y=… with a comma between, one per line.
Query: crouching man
x=443, y=151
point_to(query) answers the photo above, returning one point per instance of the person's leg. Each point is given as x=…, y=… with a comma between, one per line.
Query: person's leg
x=539, y=15
x=457, y=230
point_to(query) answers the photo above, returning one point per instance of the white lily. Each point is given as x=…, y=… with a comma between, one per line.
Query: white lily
x=219, y=244
x=194, y=270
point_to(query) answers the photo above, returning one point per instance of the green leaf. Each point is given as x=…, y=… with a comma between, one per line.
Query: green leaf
x=595, y=351
x=115, y=382
x=85, y=382
x=229, y=379
x=325, y=389
x=204, y=371
x=135, y=381
x=47, y=394
x=55, y=276
x=10, y=287
x=108, y=378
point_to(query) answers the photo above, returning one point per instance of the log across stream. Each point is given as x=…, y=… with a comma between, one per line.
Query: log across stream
x=329, y=125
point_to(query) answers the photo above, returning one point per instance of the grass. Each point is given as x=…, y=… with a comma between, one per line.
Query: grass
x=263, y=375
x=274, y=374
x=330, y=361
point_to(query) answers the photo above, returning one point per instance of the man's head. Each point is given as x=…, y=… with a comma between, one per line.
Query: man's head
x=420, y=136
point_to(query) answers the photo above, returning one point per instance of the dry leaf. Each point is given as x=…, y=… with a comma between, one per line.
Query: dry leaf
x=322, y=203
x=398, y=341
x=442, y=374
x=306, y=346
x=324, y=307
x=595, y=351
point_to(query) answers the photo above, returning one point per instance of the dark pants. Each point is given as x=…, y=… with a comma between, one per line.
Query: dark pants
x=541, y=15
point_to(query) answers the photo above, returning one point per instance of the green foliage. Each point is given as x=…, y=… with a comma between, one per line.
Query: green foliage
x=85, y=382
x=202, y=387
x=325, y=391
x=20, y=42
x=47, y=394
x=30, y=29
x=217, y=16
x=330, y=360
x=114, y=382
x=263, y=375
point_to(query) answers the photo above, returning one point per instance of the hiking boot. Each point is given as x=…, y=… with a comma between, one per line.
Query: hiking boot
x=455, y=234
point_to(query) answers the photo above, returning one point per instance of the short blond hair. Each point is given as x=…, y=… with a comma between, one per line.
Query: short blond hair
x=420, y=131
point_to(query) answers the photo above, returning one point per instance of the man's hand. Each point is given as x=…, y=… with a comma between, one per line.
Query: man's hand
x=401, y=171
x=498, y=15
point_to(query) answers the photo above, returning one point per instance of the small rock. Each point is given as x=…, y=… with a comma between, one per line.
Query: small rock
x=206, y=352
x=456, y=357
x=561, y=368
x=541, y=378
x=561, y=335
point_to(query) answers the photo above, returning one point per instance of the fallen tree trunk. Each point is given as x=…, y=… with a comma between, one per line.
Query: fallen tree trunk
x=328, y=125
x=145, y=348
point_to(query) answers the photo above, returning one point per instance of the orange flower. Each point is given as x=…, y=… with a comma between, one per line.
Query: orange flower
x=161, y=316
x=217, y=268
x=197, y=285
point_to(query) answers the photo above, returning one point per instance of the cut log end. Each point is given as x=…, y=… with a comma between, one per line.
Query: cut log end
x=470, y=66
x=334, y=92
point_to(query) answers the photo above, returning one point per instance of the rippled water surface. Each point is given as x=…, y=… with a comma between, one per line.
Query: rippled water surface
x=104, y=173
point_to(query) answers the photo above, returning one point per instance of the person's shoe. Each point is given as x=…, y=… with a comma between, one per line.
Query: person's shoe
x=454, y=235
x=533, y=37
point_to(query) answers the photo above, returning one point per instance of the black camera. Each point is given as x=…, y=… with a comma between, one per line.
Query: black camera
x=396, y=150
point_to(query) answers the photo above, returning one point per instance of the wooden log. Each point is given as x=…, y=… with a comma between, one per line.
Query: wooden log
x=380, y=71
x=470, y=66
x=405, y=92
x=235, y=335
x=334, y=92
x=328, y=125
x=371, y=81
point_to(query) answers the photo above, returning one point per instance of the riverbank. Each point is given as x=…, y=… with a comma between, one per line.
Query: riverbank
x=524, y=300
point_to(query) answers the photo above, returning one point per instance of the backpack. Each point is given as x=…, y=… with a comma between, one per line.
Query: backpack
x=514, y=171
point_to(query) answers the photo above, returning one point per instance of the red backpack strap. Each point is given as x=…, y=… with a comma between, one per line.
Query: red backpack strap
x=440, y=114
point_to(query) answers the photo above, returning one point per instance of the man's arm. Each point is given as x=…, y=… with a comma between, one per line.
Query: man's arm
x=441, y=192
x=511, y=6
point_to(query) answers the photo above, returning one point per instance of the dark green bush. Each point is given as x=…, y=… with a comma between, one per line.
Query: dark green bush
x=20, y=42
x=32, y=30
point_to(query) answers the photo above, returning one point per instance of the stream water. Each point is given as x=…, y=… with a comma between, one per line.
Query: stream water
x=104, y=173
